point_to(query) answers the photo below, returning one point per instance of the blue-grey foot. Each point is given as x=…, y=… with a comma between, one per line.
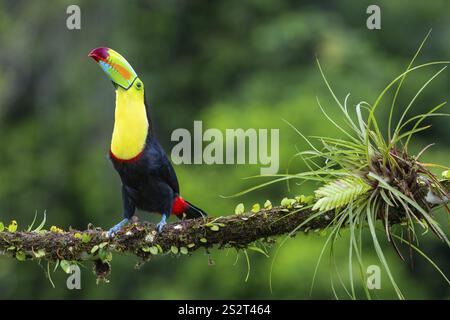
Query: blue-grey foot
x=161, y=223
x=117, y=227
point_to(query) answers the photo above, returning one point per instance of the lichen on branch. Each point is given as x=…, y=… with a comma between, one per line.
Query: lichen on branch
x=183, y=237
x=142, y=240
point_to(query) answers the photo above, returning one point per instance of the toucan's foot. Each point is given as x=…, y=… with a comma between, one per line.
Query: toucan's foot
x=117, y=227
x=161, y=224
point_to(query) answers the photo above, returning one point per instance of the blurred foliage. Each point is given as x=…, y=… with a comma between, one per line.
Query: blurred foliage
x=231, y=64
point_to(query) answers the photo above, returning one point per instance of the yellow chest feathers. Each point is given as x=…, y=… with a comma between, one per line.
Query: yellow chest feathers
x=130, y=126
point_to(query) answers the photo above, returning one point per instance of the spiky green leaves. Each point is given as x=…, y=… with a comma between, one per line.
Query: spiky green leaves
x=340, y=193
x=446, y=174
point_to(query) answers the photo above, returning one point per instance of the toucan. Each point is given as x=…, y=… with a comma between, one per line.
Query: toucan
x=149, y=181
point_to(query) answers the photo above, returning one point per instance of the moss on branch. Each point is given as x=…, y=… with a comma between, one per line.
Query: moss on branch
x=182, y=237
x=236, y=231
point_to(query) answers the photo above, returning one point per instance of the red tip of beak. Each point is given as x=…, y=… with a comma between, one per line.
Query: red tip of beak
x=99, y=53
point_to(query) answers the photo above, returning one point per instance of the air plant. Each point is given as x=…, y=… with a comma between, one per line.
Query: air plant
x=369, y=177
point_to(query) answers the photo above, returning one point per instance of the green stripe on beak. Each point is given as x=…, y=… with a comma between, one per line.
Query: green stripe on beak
x=115, y=66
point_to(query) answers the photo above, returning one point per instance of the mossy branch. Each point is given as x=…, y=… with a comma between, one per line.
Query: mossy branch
x=238, y=231
x=141, y=239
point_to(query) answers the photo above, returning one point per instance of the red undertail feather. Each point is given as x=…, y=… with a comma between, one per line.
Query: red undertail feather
x=179, y=206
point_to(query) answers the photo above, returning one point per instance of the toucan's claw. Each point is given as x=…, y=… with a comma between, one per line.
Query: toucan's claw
x=117, y=228
x=161, y=223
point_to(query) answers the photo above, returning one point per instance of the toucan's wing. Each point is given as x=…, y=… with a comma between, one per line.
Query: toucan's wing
x=159, y=165
x=169, y=175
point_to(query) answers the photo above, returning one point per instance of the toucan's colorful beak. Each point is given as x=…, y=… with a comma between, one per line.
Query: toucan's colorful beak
x=115, y=66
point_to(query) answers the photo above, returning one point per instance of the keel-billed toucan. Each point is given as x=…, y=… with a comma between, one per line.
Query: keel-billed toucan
x=148, y=179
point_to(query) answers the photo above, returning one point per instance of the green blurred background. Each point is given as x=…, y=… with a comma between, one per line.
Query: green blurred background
x=231, y=64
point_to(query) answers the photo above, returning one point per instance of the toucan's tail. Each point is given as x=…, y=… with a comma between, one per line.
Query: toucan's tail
x=181, y=206
x=194, y=212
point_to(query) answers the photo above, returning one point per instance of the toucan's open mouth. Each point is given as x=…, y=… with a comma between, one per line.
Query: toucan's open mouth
x=115, y=66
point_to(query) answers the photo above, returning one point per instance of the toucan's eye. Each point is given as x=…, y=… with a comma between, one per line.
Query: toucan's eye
x=138, y=85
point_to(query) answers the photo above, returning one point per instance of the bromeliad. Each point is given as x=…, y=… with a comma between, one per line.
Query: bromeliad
x=148, y=179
